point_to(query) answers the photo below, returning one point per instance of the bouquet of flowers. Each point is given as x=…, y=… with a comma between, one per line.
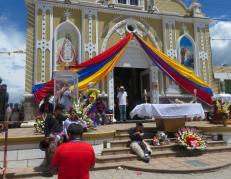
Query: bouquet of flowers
x=223, y=108
x=39, y=124
x=85, y=107
x=191, y=139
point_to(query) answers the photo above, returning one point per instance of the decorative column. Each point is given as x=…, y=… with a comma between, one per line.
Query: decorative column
x=110, y=90
x=43, y=42
x=169, y=38
x=154, y=85
x=200, y=39
x=90, y=42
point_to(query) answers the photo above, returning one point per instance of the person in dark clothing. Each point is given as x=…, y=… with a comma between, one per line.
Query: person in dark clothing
x=138, y=145
x=46, y=106
x=53, y=131
x=4, y=97
x=100, y=111
x=54, y=123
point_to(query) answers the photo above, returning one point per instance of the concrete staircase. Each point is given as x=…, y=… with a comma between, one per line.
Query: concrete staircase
x=119, y=150
x=118, y=153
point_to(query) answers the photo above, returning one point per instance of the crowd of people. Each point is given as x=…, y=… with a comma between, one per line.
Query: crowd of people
x=14, y=114
x=63, y=145
x=10, y=112
x=68, y=132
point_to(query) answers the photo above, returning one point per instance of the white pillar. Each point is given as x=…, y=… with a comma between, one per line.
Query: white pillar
x=154, y=85
x=110, y=90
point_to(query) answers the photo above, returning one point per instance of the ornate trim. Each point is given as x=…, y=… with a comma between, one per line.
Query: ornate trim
x=169, y=24
x=202, y=52
x=43, y=44
x=139, y=24
x=134, y=13
x=89, y=47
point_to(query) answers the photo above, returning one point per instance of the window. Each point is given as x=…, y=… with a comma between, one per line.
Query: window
x=122, y=1
x=228, y=86
x=134, y=2
x=129, y=2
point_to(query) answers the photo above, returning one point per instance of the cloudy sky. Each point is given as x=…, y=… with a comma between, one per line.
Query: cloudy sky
x=13, y=32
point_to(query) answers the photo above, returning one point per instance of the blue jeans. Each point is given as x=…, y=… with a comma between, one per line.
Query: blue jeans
x=122, y=109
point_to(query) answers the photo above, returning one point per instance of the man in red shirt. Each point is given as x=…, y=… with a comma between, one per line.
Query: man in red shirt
x=75, y=158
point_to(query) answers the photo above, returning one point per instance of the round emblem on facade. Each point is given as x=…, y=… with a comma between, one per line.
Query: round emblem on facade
x=131, y=26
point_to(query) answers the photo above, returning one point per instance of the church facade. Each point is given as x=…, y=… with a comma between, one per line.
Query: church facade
x=67, y=32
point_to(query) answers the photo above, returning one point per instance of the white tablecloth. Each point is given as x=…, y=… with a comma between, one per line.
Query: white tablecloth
x=224, y=97
x=168, y=110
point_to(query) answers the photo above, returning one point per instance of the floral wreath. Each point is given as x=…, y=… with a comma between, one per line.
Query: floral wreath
x=191, y=139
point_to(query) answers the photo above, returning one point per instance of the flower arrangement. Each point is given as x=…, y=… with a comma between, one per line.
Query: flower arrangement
x=223, y=108
x=39, y=124
x=191, y=139
x=85, y=108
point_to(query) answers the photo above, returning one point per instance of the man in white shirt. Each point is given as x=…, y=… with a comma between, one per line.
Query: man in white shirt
x=122, y=101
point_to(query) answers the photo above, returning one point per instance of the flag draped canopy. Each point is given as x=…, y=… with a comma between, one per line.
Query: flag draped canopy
x=98, y=67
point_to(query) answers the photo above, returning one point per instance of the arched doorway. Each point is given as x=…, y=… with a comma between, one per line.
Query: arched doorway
x=136, y=62
x=133, y=72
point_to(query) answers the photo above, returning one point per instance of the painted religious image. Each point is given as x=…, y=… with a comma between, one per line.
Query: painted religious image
x=186, y=50
x=63, y=94
x=67, y=49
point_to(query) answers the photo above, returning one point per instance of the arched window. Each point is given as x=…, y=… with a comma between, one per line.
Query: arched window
x=186, y=52
x=67, y=44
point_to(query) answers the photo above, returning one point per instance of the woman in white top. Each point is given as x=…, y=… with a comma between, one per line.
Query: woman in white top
x=73, y=119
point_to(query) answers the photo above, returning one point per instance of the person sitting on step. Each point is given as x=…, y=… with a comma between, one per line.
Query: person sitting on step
x=138, y=145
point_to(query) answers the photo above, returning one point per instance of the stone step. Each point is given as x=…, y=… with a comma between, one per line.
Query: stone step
x=127, y=150
x=120, y=143
x=135, y=121
x=145, y=129
x=121, y=137
x=123, y=140
x=126, y=142
x=126, y=136
x=158, y=154
x=22, y=173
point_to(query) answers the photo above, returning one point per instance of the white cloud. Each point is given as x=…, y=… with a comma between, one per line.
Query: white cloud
x=12, y=68
x=221, y=48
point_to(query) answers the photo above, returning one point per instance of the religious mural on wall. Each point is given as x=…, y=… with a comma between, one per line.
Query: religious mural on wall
x=186, y=51
x=67, y=45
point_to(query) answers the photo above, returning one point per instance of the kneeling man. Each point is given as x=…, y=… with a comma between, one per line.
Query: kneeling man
x=138, y=145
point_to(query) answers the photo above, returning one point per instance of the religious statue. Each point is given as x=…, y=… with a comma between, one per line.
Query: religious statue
x=196, y=7
x=67, y=53
x=151, y=6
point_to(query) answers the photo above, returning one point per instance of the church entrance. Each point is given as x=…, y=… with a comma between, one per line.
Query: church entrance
x=135, y=80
